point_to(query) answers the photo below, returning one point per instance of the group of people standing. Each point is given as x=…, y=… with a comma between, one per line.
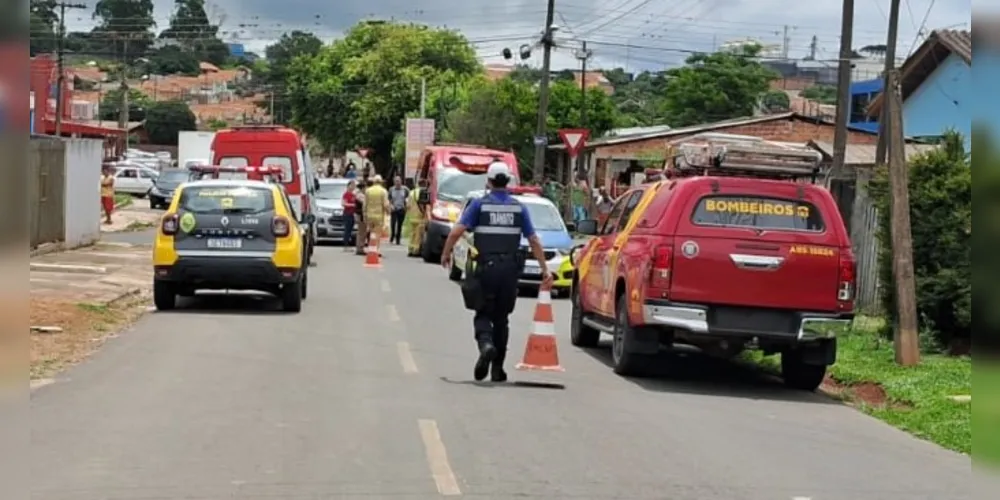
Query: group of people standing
x=374, y=211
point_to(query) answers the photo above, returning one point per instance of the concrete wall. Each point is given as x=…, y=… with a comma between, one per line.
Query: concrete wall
x=943, y=101
x=83, y=196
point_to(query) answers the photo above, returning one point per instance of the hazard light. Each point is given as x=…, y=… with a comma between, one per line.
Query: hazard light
x=213, y=171
x=746, y=156
x=471, y=163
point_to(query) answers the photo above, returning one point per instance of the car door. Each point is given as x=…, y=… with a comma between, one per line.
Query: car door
x=591, y=271
x=610, y=246
x=145, y=180
x=126, y=180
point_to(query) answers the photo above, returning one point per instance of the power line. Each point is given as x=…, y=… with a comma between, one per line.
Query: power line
x=61, y=78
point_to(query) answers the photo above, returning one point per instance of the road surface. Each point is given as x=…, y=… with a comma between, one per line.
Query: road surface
x=366, y=395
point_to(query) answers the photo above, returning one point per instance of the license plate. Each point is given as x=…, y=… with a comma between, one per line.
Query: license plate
x=530, y=269
x=225, y=243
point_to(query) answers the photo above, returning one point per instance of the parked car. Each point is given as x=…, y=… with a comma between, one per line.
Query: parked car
x=551, y=230
x=165, y=185
x=134, y=179
x=330, y=209
x=738, y=252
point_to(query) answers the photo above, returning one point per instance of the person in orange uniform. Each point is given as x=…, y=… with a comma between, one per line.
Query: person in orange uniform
x=107, y=193
x=376, y=208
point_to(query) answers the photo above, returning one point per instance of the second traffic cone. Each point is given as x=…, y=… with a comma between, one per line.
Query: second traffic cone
x=372, y=258
x=541, y=352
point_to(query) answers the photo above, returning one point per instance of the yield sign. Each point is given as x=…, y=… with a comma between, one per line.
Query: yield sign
x=363, y=152
x=574, y=139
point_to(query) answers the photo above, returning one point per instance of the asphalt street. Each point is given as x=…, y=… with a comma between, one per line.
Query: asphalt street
x=367, y=394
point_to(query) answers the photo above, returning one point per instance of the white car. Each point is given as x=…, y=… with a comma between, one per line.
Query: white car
x=549, y=226
x=134, y=179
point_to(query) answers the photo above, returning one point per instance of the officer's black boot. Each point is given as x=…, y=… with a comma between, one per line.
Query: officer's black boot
x=487, y=352
x=496, y=369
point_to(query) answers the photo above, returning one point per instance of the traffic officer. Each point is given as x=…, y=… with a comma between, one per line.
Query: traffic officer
x=498, y=222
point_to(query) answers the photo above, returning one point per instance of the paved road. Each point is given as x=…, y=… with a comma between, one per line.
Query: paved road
x=366, y=395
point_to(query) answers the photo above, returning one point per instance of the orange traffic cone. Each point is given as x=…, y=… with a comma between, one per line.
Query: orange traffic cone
x=372, y=258
x=541, y=352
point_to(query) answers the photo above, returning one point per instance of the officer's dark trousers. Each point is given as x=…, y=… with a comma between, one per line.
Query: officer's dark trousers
x=498, y=276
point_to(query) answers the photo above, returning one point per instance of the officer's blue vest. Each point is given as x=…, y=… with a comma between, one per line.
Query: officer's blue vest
x=498, y=230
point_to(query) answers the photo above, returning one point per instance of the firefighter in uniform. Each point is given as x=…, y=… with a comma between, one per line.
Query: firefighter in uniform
x=498, y=222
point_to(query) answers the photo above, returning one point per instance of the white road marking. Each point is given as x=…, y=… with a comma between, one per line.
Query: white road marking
x=385, y=286
x=437, y=458
x=42, y=382
x=406, y=358
x=801, y=498
x=392, y=313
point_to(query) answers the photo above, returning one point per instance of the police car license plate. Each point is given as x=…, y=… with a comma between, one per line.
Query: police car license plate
x=532, y=269
x=225, y=243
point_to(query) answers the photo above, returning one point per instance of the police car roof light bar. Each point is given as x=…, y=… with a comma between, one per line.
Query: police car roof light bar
x=525, y=190
x=719, y=154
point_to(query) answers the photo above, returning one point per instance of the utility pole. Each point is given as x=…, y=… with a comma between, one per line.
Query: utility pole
x=423, y=97
x=785, y=42
x=583, y=55
x=890, y=63
x=905, y=341
x=61, y=78
x=843, y=88
x=813, y=47
x=123, y=113
x=543, y=94
x=271, y=109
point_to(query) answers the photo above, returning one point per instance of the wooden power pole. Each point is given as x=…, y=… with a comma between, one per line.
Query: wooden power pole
x=905, y=340
x=61, y=76
x=543, y=94
x=843, y=88
x=890, y=63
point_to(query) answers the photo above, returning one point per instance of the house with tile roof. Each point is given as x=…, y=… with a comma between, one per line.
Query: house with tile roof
x=936, y=83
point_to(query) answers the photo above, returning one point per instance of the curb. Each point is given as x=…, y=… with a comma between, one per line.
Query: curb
x=45, y=249
x=127, y=294
x=66, y=268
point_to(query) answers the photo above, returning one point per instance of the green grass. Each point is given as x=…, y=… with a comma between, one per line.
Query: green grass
x=986, y=414
x=123, y=200
x=919, y=397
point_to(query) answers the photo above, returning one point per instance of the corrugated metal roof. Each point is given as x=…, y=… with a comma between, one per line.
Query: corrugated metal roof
x=864, y=154
x=958, y=41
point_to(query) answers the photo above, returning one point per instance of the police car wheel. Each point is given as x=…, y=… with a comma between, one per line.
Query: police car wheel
x=291, y=296
x=624, y=362
x=580, y=334
x=305, y=286
x=164, y=295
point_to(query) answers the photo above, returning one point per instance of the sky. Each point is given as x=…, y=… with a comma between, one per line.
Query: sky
x=633, y=34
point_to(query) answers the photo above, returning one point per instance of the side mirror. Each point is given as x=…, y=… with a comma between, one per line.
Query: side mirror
x=309, y=219
x=587, y=227
x=571, y=226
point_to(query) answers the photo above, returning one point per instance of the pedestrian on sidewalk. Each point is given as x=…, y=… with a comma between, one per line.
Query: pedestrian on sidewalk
x=107, y=192
x=349, y=202
x=397, y=198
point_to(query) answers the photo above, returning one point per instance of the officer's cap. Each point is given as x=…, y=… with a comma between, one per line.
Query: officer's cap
x=498, y=169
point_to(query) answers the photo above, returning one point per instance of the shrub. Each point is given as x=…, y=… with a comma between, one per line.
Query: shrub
x=940, y=186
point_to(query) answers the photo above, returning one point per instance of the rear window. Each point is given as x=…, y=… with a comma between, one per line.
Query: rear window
x=758, y=212
x=286, y=167
x=226, y=200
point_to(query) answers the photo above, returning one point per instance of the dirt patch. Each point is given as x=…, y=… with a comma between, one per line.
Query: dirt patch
x=866, y=393
x=83, y=329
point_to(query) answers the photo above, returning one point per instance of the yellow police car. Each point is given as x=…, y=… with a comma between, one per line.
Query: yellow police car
x=230, y=235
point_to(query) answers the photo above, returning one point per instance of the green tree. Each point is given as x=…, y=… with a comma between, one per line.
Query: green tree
x=172, y=60
x=166, y=118
x=126, y=26
x=43, y=27
x=281, y=53
x=775, y=101
x=111, y=104
x=498, y=114
x=526, y=74
x=638, y=102
x=565, y=105
x=940, y=186
x=713, y=87
x=192, y=29
x=824, y=94
x=357, y=91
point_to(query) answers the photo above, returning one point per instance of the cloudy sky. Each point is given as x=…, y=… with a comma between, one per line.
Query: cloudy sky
x=637, y=34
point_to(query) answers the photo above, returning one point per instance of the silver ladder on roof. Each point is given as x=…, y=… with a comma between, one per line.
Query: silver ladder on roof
x=713, y=153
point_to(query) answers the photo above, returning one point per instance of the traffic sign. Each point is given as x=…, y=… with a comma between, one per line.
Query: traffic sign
x=574, y=139
x=363, y=152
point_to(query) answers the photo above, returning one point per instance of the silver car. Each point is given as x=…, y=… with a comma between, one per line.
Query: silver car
x=329, y=209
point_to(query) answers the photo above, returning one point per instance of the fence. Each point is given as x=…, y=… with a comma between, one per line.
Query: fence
x=864, y=227
x=46, y=191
